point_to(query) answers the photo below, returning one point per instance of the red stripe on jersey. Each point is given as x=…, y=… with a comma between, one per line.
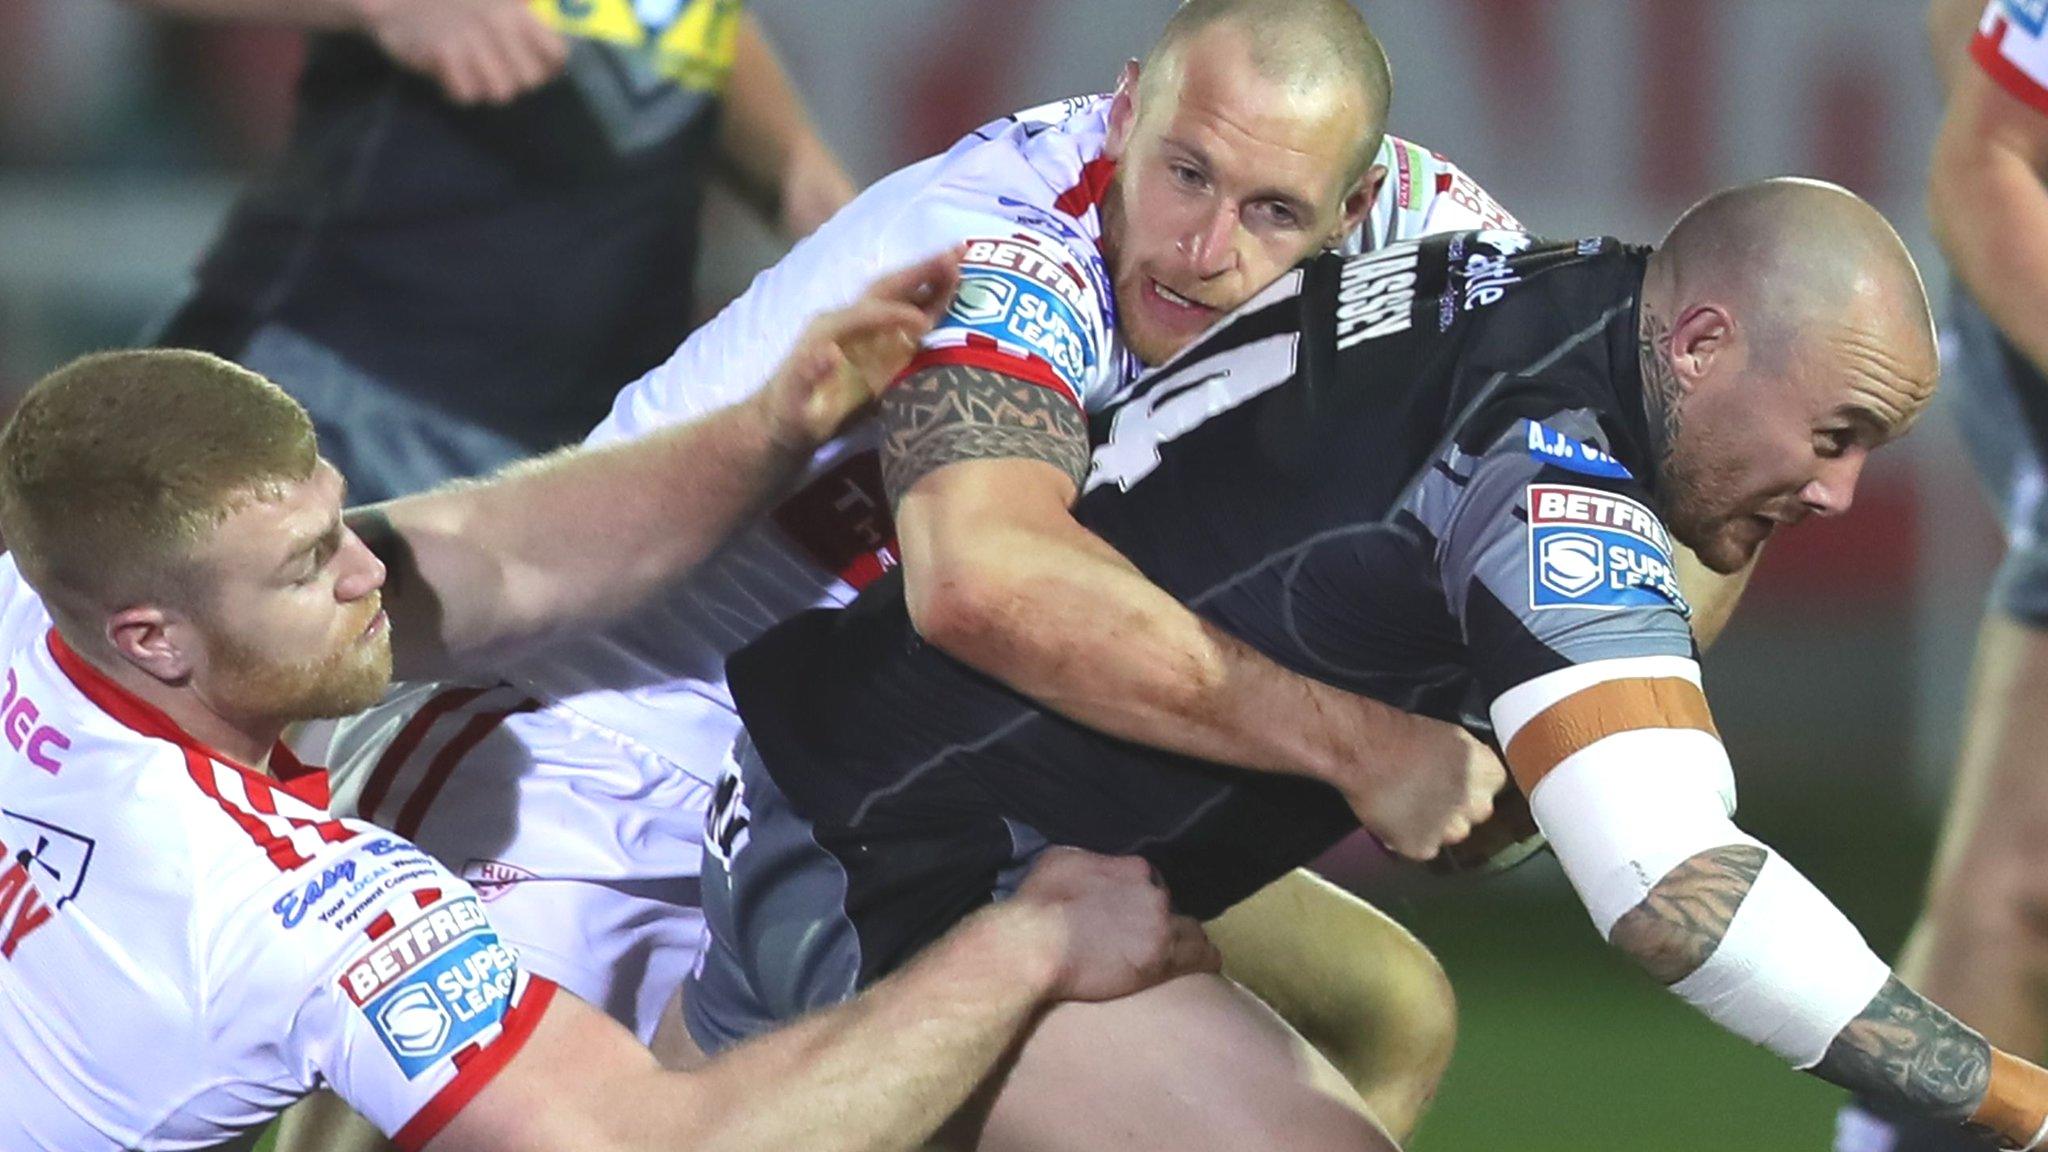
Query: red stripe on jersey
x=1088, y=188
x=1029, y=369
x=480, y=1070
x=443, y=766
x=409, y=737
x=1984, y=48
x=380, y=927
x=308, y=782
x=425, y=897
x=277, y=848
x=263, y=800
x=132, y=712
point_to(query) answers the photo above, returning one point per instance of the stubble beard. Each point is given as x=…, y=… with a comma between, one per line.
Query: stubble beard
x=342, y=682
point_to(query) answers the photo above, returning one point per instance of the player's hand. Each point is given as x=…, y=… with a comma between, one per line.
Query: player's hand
x=1106, y=926
x=478, y=51
x=1431, y=789
x=845, y=358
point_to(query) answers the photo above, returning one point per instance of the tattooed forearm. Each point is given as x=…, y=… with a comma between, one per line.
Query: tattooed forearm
x=1679, y=924
x=1906, y=1049
x=943, y=415
x=1660, y=381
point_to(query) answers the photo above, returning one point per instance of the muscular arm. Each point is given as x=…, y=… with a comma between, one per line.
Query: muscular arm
x=571, y=541
x=983, y=469
x=1989, y=207
x=1901, y=1048
x=564, y=543
x=769, y=150
x=880, y=1072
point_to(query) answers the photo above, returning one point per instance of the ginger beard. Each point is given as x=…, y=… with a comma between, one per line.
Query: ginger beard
x=352, y=675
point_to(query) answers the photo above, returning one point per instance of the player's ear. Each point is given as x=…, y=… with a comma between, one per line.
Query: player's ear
x=1359, y=200
x=1123, y=111
x=1702, y=337
x=157, y=639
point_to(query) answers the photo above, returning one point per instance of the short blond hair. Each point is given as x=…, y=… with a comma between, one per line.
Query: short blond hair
x=1304, y=44
x=117, y=464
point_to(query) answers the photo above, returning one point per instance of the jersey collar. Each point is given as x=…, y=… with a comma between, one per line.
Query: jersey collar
x=307, y=783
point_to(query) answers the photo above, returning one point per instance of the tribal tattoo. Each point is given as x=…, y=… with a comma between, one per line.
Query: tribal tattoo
x=1660, y=380
x=1679, y=924
x=1906, y=1049
x=952, y=413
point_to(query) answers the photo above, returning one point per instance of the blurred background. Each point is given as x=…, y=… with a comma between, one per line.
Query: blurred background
x=123, y=135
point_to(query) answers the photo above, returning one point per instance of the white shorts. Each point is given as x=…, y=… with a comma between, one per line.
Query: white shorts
x=586, y=846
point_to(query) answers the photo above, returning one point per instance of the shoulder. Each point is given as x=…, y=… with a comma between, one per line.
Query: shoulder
x=2011, y=45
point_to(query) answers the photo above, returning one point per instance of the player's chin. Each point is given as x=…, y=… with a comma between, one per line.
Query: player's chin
x=1735, y=544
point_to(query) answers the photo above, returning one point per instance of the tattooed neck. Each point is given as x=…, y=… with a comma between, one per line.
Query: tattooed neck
x=1660, y=382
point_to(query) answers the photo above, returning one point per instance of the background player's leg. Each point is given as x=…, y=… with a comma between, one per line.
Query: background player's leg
x=1355, y=984
x=1194, y=1065
x=1980, y=948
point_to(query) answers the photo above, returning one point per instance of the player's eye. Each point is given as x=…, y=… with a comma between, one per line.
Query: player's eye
x=1280, y=215
x=1187, y=176
x=1829, y=443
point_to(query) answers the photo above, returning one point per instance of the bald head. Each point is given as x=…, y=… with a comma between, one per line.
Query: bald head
x=1317, y=50
x=1795, y=262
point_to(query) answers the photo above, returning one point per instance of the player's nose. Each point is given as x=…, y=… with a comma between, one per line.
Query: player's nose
x=362, y=572
x=1210, y=242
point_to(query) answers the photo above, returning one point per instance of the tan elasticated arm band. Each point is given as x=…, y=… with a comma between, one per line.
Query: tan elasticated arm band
x=2016, y=1104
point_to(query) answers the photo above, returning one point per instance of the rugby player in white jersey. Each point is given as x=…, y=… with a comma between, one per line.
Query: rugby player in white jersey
x=573, y=794
x=1978, y=947
x=192, y=941
x=587, y=769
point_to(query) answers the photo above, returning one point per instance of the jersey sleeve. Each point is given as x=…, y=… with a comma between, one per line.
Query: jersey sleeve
x=407, y=1002
x=1424, y=194
x=1551, y=557
x=1034, y=301
x=2011, y=45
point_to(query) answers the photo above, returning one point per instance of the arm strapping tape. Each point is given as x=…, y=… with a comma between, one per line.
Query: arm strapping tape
x=1791, y=971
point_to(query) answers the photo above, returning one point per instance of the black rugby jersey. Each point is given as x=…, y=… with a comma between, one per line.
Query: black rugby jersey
x=512, y=264
x=1422, y=474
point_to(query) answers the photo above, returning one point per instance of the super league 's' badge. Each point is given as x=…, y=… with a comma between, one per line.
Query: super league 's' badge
x=1594, y=549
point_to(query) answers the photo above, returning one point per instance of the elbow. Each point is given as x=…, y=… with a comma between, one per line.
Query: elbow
x=964, y=609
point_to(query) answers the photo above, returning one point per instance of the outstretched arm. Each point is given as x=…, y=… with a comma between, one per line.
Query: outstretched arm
x=1628, y=780
x=573, y=540
x=881, y=1072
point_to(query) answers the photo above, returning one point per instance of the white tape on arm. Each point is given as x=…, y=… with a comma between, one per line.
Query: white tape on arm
x=1791, y=971
x=1622, y=812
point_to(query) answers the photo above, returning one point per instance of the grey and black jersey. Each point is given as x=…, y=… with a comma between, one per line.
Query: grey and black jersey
x=1423, y=475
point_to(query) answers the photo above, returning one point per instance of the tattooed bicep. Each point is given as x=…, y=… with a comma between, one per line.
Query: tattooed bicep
x=954, y=412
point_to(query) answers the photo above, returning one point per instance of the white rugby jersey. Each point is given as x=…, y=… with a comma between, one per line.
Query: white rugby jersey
x=2011, y=45
x=1035, y=302
x=188, y=946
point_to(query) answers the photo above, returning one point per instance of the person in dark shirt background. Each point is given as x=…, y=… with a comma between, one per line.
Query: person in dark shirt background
x=485, y=220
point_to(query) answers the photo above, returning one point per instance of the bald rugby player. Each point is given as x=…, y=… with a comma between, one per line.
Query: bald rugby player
x=608, y=750
x=1561, y=414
